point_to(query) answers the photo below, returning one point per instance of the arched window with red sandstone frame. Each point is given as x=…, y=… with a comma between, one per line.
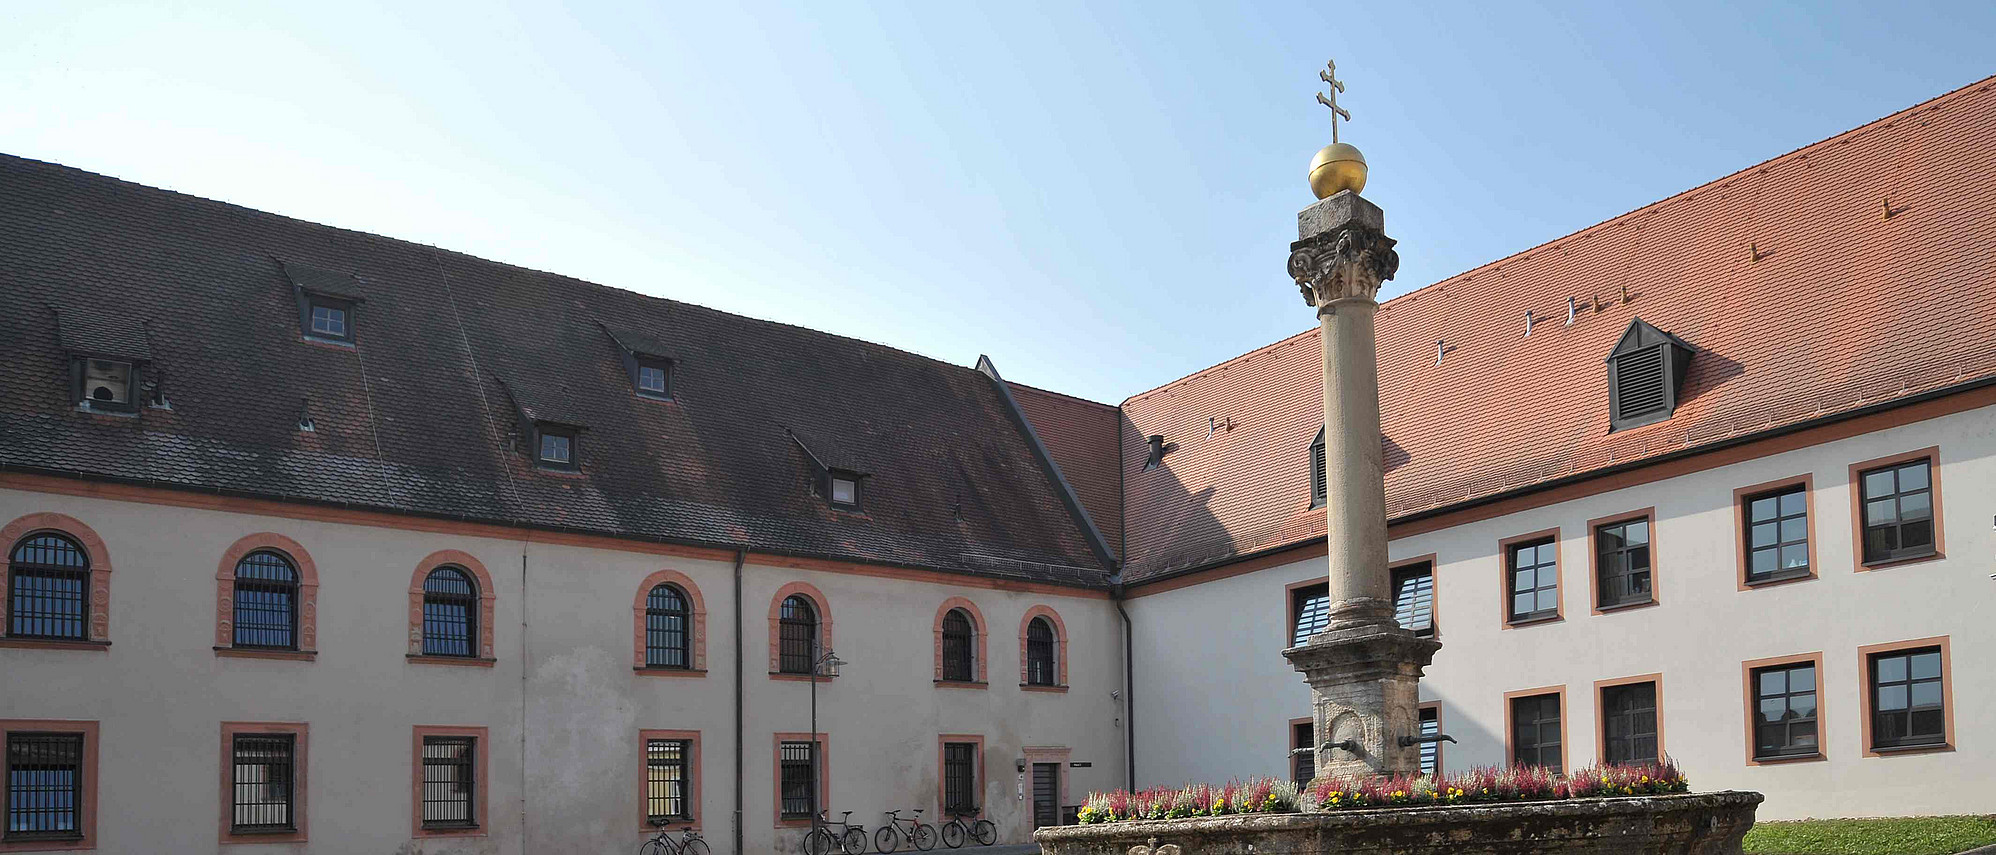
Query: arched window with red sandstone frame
x=57, y=579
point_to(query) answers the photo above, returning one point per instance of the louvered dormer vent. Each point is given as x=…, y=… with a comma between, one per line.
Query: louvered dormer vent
x=1645, y=373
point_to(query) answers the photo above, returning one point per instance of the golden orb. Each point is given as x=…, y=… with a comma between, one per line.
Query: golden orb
x=1338, y=166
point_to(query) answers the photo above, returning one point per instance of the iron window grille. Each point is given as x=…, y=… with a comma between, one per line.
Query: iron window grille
x=654, y=378
x=1898, y=511
x=1303, y=766
x=800, y=790
x=554, y=448
x=666, y=797
x=1310, y=611
x=665, y=628
x=1777, y=532
x=44, y=786
x=1908, y=709
x=1622, y=563
x=262, y=783
x=1534, y=573
x=1431, y=752
x=1414, y=598
x=1319, y=480
x=1784, y=722
x=1536, y=732
x=450, y=781
x=797, y=630
x=266, y=596
x=48, y=588
x=450, y=613
x=1040, y=653
x=1628, y=722
x=959, y=777
x=957, y=653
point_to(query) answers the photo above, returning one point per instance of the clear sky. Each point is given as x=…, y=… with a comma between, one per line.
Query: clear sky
x=1098, y=195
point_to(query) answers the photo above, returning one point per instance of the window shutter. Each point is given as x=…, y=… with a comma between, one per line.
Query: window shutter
x=1414, y=600
x=1640, y=384
x=1317, y=477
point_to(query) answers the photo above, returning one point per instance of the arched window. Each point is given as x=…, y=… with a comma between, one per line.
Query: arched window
x=958, y=660
x=1040, y=644
x=666, y=635
x=450, y=613
x=798, y=634
x=48, y=593
x=266, y=598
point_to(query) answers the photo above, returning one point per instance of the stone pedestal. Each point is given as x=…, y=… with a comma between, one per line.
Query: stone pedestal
x=1365, y=690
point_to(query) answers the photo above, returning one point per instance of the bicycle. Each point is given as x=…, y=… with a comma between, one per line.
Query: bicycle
x=689, y=843
x=982, y=831
x=851, y=839
x=920, y=833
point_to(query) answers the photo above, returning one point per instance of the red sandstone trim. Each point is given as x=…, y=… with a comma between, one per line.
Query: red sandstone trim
x=1504, y=580
x=1864, y=655
x=486, y=598
x=308, y=589
x=1747, y=701
x=977, y=774
x=300, y=779
x=824, y=752
x=1932, y=454
x=1742, y=531
x=692, y=738
x=817, y=598
x=1511, y=727
x=1594, y=562
x=1055, y=754
x=482, y=770
x=978, y=633
x=87, y=811
x=100, y=568
x=697, y=632
x=1060, y=646
x=1601, y=720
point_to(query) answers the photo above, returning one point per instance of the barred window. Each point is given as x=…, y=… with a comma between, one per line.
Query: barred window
x=1040, y=644
x=1431, y=752
x=1534, y=572
x=1898, y=511
x=44, y=786
x=1784, y=722
x=666, y=796
x=1622, y=562
x=797, y=630
x=1628, y=722
x=665, y=628
x=1310, y=611
x=1414, y=598
x=1536, y=732
x=450, y=613
x=1302, y=766
x=48, y=579
x=957, y=651
x=1908, y=706
x=262, y=782
x=799, y=782
x=450, y=781
x=266, y=598
x=1777, y=534
x=959, y=778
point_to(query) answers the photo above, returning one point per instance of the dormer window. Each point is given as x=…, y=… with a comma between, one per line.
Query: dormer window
x=644, y=358
x=844, y=489
x=654, y=378
x=110, y=360
x=1646, y=371
x=327, y=300
x=1319, y=484
x=555, y=447
x=329, y=318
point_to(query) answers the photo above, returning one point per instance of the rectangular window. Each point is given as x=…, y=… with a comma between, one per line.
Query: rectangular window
x=652, y=380
x=557, y=449
x=1533, y=571
x=1414, y=597
x=1431, y=752
x=1784, y=710
x=799, y=782
x=329, y=321
x=45, y=786
x=1622, y=563
x=450, y=782
x=667, y=762
x=959, y=778
x=1777, y=534
x=1302, y=751
x=1898, y=512
x=1318, y=482
x=261, y=785
x=844, y=490
x=1309, y=611
x=1536, y=732
x=1907, y=698
x=1629, y=723
x=107, y=384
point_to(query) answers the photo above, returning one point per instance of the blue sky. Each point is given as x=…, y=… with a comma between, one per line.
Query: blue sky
x=1098, y=195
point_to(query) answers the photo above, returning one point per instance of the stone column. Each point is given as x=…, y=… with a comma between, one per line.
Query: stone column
x=1363, y=669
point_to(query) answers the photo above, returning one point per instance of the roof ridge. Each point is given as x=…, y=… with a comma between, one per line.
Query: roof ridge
x=1076, y=398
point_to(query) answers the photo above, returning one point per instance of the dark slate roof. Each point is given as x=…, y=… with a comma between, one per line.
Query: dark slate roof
x=419, y=416
x=95, y=331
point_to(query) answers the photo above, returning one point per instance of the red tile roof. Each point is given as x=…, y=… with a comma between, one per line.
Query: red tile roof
x=1802, y=298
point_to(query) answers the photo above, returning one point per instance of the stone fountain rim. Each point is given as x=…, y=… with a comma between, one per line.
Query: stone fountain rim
x=1409, y=815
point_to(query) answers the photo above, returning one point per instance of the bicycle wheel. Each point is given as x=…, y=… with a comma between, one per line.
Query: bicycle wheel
x=925, y=836
x=886, y=840
x=654, y=846
x=953, y=833
x=695, y=846
x=985, y=832
x=819, y=842
x=854, y=840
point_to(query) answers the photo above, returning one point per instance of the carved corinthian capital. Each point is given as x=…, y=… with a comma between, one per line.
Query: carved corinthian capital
x=1349, y=262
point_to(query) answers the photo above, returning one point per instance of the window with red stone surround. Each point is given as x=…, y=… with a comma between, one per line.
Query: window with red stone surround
x=308, y=598
x=977, y=647
x=817, y=598
x=486, y=598
x=823, y=759
x=481, y=775
x=1060, y=649
x=942, y=773
x=690, y=786
x=98, y=627
x=696, y=629
x=86, y=809
x=298, y=732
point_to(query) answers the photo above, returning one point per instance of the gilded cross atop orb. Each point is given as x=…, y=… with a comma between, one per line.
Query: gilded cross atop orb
x=1330, y=75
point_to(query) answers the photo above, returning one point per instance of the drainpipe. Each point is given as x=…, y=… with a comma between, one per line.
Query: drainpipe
x=741, y=555
x=1129, y=690
x=524, y=669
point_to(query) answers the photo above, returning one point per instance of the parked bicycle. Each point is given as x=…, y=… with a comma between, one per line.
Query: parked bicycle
x=850, y=839
x=897, y=830
x=964, y=825
x=689, y=843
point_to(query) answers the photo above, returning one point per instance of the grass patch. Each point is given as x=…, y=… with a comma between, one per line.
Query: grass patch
x=1922, y=835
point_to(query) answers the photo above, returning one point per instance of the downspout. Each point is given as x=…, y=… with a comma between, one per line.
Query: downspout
x=1129, y=689
x=524, y=726
x=741, y=555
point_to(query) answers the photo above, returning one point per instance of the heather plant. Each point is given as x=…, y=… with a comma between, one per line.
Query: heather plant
x=1255, y=795
x=1488, y=784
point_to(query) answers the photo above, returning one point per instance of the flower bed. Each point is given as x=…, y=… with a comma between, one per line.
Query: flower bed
x=1484, y=785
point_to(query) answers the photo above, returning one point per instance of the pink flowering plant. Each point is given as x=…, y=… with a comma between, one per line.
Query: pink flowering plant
x=1489, y=784
x=1254, y=795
